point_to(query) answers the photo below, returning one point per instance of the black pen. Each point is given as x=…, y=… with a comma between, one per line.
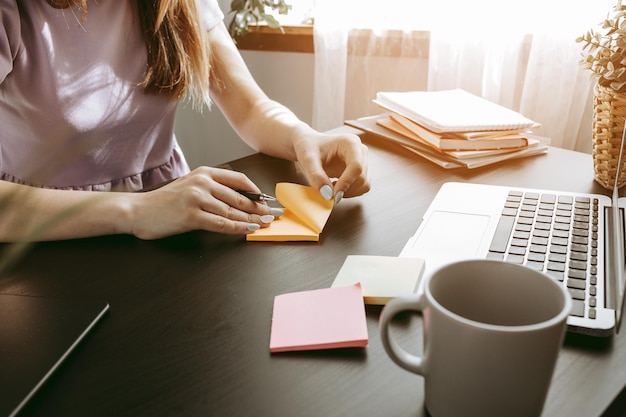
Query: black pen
x=256, y=196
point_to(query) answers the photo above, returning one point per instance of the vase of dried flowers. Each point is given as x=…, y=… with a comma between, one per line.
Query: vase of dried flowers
x=604, y=53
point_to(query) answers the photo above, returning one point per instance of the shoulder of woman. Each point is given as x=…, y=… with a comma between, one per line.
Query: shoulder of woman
x=210, y=13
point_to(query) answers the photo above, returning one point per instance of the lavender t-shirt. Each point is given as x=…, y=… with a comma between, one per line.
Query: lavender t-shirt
x=72, y=113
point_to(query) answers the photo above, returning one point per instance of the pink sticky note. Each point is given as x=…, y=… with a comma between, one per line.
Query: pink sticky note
x=319, y=319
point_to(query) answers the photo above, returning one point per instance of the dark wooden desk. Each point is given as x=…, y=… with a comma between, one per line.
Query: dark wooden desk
x=188, y=329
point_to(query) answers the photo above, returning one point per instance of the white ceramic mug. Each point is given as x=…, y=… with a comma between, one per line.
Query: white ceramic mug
x=492, y=334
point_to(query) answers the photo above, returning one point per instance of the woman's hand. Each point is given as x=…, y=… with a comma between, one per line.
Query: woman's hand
x=323, y=157
x=271, y=128
x=204, y=199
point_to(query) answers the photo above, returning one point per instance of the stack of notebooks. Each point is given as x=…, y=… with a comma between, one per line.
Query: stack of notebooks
x=453, y=128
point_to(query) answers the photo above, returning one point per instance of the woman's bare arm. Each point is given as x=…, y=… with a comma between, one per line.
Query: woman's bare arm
x=202, y=200
x=271, y=128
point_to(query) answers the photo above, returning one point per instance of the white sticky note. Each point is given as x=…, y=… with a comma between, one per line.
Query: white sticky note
x=382, y=277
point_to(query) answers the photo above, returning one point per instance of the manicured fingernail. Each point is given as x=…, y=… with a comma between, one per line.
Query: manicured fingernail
x=327, y=192
x=338, y=197
x=276, y=212
x=253, y=226
x=268, y=218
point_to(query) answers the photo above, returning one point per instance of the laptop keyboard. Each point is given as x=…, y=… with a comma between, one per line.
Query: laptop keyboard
x=554, y=234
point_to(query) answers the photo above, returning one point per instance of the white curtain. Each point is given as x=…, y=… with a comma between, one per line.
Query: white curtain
x=522, y=55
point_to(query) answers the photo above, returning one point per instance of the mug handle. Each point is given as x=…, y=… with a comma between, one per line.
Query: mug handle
x=400, y=356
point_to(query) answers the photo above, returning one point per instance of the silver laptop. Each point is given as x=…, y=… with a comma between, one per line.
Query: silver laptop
x=578, y=239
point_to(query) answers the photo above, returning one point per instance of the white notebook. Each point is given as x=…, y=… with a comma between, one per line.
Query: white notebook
x=452, y=111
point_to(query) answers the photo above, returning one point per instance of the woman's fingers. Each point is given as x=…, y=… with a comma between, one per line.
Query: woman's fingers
x=202, y=200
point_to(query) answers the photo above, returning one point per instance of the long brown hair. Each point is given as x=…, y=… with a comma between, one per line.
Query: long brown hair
x=176, y=41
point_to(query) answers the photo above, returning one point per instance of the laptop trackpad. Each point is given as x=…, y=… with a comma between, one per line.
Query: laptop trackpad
x=457, y=235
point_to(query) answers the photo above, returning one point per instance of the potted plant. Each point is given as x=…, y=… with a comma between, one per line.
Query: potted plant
x=253, y=12
x=604, y=54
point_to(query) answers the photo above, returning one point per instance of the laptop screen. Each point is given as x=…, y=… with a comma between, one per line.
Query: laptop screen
x=618, y=241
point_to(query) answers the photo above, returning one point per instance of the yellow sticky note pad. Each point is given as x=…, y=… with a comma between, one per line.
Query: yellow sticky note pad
x=286, y=227
x=306, y=214
x=382, y=277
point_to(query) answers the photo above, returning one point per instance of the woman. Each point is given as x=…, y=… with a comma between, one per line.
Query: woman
x=88, y=93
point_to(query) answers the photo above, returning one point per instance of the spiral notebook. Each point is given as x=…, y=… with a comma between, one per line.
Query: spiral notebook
x=452, y=111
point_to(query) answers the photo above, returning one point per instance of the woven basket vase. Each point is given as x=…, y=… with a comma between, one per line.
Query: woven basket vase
x=609, y=113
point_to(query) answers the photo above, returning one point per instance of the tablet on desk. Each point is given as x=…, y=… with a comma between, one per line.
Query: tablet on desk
x=36, y=335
